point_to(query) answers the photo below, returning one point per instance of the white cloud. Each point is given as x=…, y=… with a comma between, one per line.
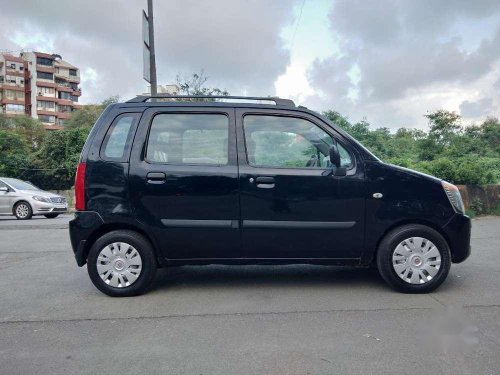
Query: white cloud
x=400, y=59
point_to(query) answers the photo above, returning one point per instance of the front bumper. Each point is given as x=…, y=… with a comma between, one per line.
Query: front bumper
x=458, y=232
x=81, y=229
x=43, y=208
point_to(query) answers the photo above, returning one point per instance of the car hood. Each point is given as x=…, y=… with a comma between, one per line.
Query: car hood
x=414, y=173
x=40, y=193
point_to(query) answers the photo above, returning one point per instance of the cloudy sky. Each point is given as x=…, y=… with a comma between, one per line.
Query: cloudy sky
x=389, y=61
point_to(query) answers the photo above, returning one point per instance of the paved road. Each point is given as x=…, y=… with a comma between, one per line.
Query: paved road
x=242, y=320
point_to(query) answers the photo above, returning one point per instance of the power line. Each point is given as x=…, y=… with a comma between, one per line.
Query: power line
x=297, y=25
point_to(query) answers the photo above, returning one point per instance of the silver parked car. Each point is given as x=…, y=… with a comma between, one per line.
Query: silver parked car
x=23, y=200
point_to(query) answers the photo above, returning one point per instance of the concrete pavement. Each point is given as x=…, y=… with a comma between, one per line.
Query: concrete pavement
x=242, y=320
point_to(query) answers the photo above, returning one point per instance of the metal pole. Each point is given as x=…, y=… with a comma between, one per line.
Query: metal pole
x=152, y=60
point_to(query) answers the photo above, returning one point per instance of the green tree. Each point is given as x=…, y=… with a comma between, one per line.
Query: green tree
x=338, y=120
x=30, y=129
x=14, y=151
x=196, y=85
x=88, y=114
x=53, y=165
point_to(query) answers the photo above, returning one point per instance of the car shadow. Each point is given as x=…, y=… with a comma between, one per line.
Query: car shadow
x=264, y=275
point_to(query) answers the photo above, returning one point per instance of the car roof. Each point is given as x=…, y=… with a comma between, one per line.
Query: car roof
x=146, y=101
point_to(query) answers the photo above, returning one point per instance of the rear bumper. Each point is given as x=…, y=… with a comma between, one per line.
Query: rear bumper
x=81, y=228
x=458, y=232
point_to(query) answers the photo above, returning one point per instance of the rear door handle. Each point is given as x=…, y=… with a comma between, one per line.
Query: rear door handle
x=156, y=177
x=265, y=182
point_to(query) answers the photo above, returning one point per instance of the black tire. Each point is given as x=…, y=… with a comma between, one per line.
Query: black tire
x=28, y=208
x=142, y=245
x=393, y=239
x=51, y=216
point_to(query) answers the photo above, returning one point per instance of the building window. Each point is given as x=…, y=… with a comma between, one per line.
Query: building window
x=64, y=95
x=13, y=66
x=45, y=90
x=64, y=108
x=14, y=108
x=62, y=82
x=44, y=61
x=46, y=118
x=72, y=72
x=74, y=98
x=74, y=86
x=21, y=68
x=43, y=104
x=43, y=75
x=16, y=95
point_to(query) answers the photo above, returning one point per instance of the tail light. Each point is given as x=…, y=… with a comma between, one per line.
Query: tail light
x=80, y=187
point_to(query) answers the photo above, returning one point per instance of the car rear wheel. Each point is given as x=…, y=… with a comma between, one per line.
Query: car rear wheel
x=51, y=216
x=122, y=263
x=23, y=211
x=414, y=259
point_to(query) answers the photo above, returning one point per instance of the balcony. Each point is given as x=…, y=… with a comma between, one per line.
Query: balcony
x=12, y=86
x=52, y=126
x=12, y=101
x=64, y=88
x=64, y=102
x=68, y=78
x=63, y=115
x=12, y=72
x=46, y=111
x=45, y=68
x=47, y=98
x=45, y=83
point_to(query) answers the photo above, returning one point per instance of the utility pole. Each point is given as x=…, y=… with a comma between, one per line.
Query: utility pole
x=149, y=58
x=152, y=57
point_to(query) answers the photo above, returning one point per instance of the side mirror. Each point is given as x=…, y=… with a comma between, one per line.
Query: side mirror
x=4, y=188
x=336, y=169
x=335, y=155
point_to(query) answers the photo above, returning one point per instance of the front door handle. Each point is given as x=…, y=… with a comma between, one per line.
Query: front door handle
x=265, y=182
x=156, y=177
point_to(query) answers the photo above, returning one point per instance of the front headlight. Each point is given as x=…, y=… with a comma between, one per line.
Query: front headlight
x=454, y=196
x=41, y=199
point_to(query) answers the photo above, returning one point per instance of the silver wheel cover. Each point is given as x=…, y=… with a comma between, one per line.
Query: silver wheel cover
x=22, y=210
x=416, y=260
x=119, y=264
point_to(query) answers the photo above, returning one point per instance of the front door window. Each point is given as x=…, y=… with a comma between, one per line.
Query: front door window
x=288, y=142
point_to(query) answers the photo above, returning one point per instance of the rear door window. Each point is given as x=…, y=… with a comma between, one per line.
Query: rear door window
x=188, y=138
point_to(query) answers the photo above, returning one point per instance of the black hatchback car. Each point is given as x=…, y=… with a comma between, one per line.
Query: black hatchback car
x=169, y=181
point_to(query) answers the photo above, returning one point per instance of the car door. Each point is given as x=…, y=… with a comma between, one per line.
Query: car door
x=290, y=207
x=5, y=200
x=184, y=181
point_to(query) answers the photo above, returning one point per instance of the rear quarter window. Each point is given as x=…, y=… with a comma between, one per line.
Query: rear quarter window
x=116, y=144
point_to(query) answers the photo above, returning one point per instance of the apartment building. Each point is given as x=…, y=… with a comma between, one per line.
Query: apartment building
x=12, y=85
x=49, y=85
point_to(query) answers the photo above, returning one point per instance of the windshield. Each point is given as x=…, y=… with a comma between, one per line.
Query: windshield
x=20, y=185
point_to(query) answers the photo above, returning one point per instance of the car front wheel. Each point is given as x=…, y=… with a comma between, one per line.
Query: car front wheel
x=414, y=259
x=122, y=263
x=23, y=211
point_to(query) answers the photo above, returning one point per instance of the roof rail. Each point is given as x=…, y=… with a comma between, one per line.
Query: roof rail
x=277, y=101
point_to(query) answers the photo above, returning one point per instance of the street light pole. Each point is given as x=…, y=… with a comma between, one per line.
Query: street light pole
x=152, y=59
